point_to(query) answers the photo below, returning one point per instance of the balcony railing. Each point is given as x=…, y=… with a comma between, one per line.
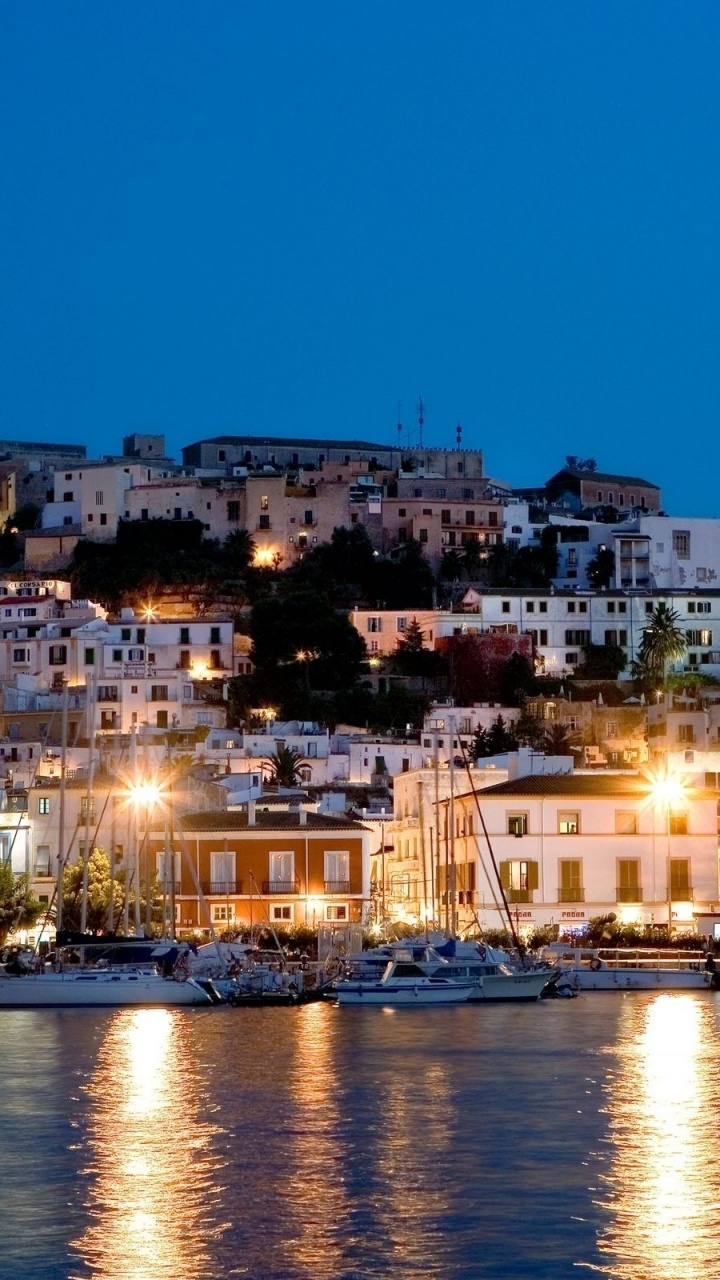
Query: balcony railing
x=280, y=886
x=224, y=887
x=571, y=895
x=519, y=895
x=629, y=895
x=337, y=886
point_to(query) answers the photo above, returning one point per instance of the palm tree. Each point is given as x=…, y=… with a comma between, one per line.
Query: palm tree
x=240, y=548
x=662, y=642
x=285, y=767
x=558, y=740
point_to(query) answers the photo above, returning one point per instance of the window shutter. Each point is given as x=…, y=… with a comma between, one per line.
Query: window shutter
x=505, y=875
x=533, y=875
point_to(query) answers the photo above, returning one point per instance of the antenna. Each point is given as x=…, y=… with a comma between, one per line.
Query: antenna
x=399, y=421
x=458, y=435
x=421, y=420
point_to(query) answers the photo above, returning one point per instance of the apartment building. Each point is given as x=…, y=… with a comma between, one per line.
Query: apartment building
x=567, y=848
x=284, y=864
x=92, y=496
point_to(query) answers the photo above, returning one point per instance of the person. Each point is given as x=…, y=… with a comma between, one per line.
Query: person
x=710, y=963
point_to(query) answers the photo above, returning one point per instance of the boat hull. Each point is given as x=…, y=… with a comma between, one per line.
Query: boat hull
x=411, y=995
x=98, y=990
x=517, y=986
x=586, y=979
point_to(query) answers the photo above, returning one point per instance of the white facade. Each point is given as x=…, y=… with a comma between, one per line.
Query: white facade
x=93, y=495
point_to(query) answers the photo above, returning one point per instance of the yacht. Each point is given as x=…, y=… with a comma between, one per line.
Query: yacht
x=628, y=968
x=404, y=982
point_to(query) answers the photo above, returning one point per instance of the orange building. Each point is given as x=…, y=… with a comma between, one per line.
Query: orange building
x=235, y=868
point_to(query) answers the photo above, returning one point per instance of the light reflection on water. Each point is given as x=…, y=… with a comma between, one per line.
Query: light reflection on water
x=532, y=1143
x=661, y=1193
x=152, y=1169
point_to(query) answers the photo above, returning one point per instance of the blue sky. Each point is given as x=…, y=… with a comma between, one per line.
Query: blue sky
x=290, y=218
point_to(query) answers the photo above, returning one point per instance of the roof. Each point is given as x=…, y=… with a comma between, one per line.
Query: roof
x=296, y=443
x=237, y=820
x=570, y=784
x=606, y=477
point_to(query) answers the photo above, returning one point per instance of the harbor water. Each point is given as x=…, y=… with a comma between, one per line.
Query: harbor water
x=550, y=1140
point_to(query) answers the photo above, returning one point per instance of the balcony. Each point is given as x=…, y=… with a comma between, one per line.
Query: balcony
x=571, y=895
x=625, y=894
x=337, y=886
x=224, y=887
x=519, y=895
x=284, y=887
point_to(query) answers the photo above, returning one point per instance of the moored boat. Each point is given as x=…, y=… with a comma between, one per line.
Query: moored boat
x=629, y=969
x=405, y=983
x=99, y=988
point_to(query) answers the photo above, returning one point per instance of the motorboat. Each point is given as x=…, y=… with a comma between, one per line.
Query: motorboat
x=629, y=968
x=492, y=973
x=404, y=982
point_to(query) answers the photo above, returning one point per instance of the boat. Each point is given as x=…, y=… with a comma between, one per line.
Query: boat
x=103, y=974
x=100, y=988
x=628, y=968
x=492, y=973
x=405, y=983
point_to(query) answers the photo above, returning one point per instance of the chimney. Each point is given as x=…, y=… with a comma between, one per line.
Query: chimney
x=303, y=817
x=251, y=813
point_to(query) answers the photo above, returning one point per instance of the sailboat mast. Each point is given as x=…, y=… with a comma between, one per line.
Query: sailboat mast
x=90, y=713
x=61, y=810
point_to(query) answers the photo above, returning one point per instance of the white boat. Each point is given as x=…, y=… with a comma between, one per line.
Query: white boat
x=404, y=983
x=100, y=988
x=492, y=974
x=629, y=969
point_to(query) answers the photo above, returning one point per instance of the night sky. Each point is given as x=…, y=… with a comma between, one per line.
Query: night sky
x=297, y=219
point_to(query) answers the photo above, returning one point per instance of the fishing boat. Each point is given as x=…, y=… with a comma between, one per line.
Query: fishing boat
x=404, y=982
x=629, y=969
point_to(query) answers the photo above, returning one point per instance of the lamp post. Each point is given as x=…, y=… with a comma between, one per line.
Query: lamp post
x=667, y=793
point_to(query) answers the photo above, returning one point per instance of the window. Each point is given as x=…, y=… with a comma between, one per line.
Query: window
x=135, y=655
x=374, y=624
x=215, y=635
x=611, y=638
x=107, y=693
x=336, y=913
x=264, y=522
x=401, y=624
x=423, y=535
x=519, y=879
x=158, y=693
x=87, y=810
x=530, y=606
x=117, y=655
x=568, y=823
x=308, y=517
x=282, y=872
x=680, y=887
x=337, y=871
x=570, y=876
x=58, y=655
x=445, y=515
x=215, y=661
x=506, y=606
x=68, y=496
x=42, y=860
x=678, y=822
x=103, y=518
x=681, y=544
x=233, y=512
x=184, y=635
x=686, y=733
x=44, y=804
x=184, y=659
x=21, y=655
x=89, y=657
x=578, y=637
x=264, y=504
x=702, y=637
x=222, y=912
x=543, y=606
x=628, y=885
x=99, y=498
x=571, y=606
x=517, y=824
x=402, y=512
x=222, y=872
x=281, y=912
x=470, y=517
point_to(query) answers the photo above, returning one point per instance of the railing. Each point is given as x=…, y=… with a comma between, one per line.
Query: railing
x=629, y=895
x=222, y=886
x=519, y=895
x=337, y=886
x=571, y=895
x=280, y=886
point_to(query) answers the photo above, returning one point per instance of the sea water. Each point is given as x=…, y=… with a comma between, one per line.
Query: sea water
x=551, y=1140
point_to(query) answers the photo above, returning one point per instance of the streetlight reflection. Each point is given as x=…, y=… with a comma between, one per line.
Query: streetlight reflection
x=660, y=1193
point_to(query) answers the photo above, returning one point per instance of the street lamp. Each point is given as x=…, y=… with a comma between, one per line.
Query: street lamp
x=668, y=792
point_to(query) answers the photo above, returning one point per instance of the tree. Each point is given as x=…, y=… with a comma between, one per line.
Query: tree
x=662, y=642
x=601, y=662
x=500, y=738
x=100, y=889
x=601, y=568
x=529, y=731
x=239, y=548
x=516, y=680
x=19, y=908
x=558, y=740
x=285, y=767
